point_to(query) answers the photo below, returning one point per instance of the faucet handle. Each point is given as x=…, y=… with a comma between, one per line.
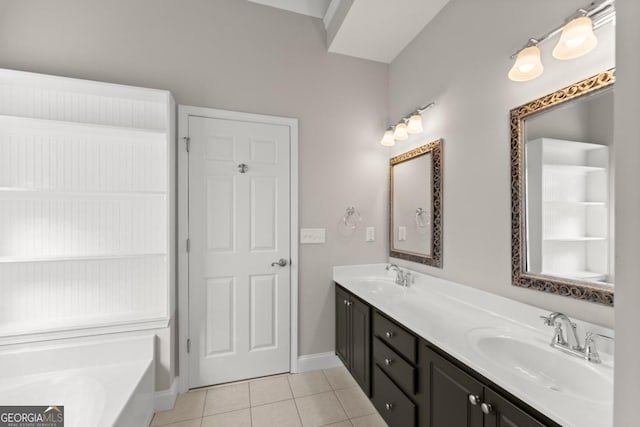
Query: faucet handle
x=590, y=350
x=548, y=320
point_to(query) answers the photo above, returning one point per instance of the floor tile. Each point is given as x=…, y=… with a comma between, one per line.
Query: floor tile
x=373, y=420
x=190, y=423
x=308, y=383
x=340, y=424
x=241, y=418
x=227, y=398
x=269, y=390
x=355, y=402
x=279, y=414
x=188, y=406
x=320, y=409
x=340, y=378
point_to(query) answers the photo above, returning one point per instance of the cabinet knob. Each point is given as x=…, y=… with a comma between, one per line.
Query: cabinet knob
x=345, y=302
x=388, y=406
x=486, y=408
x=389, y=334
x=349, y=303
x=474, y=399
x=388, y=362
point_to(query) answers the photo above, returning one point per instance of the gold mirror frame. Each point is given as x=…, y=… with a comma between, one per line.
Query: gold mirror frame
x=434, y=259
x=560, y=286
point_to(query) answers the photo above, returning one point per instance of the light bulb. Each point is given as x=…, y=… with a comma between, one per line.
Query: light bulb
x=387, y=139
x=527, y=66
x=577, y=39
x=415, y=124
x=400, y=132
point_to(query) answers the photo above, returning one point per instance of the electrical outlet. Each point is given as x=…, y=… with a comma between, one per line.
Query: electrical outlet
x=371, y=234
x=312, y=235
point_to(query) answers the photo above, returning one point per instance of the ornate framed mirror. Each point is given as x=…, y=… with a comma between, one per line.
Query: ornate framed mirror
x=415, y=205
x=561, y=211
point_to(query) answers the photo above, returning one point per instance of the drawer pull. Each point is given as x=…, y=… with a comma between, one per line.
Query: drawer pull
x=486, y=408
x=389, y=334
x=388, y=406
x=388, y=362
x=474, y=399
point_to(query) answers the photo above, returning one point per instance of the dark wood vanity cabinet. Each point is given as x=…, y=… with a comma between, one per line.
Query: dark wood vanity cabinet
x=411, y=383
x=456, y=398
x=353, y=336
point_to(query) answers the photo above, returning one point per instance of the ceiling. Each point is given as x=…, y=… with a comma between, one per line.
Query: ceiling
x=377, y=30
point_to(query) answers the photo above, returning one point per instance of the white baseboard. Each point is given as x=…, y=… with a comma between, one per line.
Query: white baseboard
x=312, y=362
x=164, y=400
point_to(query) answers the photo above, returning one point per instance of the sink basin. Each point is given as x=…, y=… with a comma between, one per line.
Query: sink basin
x=544, y=366
x=379, y=286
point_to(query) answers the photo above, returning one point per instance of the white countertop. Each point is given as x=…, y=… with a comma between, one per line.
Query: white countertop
x=449, y=315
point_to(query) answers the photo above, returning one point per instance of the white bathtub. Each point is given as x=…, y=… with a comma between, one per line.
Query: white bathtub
x=101, y=382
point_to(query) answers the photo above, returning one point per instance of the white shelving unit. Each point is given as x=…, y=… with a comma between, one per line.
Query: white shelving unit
x=86, y=204
x=568, y=209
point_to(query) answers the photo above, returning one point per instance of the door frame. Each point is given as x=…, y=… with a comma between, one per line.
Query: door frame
x=184, y=112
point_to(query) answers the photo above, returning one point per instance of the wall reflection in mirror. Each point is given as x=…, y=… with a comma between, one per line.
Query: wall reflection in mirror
x=415, y=205
x=565, y=205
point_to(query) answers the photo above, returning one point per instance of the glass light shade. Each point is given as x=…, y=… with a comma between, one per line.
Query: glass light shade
x=415, y=124
x=528, y=65
x=577, y=39
x=400, y=132
x=387, y=139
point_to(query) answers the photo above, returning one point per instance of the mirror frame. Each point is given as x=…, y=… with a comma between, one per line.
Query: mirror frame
x=520, y=277
x=434, y=259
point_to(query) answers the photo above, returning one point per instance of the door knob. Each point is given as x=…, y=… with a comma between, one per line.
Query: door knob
x=474, y=399
x=281, y=262
x=486, y=408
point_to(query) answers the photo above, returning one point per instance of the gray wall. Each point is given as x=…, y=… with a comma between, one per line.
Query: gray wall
x=236, y=55
x=460, y=61
x=627, y=154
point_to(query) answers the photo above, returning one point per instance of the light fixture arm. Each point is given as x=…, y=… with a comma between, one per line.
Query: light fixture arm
x=600, y=11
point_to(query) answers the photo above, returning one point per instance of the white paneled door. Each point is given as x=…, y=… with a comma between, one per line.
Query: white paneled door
x=239, y=231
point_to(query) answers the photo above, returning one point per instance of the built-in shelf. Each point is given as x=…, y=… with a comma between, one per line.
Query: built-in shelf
x=573, y=168
x=16, y=260
x=87, y=198
x=567, y=209
x=573, y=203
x=33, y=125
x=40, y=192
x=574, y=239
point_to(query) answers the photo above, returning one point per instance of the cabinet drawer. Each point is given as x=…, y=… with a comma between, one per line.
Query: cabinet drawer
x=394, y=406
x=395, y=336
x=400, y=371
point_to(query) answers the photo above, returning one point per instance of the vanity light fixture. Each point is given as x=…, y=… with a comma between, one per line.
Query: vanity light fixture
x=387, y=138
x=577, y=39
x=408, y=125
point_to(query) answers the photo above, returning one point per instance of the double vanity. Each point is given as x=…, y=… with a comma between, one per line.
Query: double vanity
x=430, y=352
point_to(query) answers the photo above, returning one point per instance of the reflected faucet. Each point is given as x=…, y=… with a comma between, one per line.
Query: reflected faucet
x=402, y=277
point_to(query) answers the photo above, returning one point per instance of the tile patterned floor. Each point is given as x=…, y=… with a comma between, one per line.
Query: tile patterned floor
x=327, y=397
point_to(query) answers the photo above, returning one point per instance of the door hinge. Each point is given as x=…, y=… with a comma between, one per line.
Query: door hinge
x=188, y=244
x=188, y=345
x=187, y=143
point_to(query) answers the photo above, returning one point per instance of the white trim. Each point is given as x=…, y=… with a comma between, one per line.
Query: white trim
x=184, y=111
x=313, y=362
x=165, y=400
x=123, y=327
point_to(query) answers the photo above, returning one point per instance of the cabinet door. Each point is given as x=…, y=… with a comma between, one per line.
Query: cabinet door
x=506, y=414
x=360, y=337
x=447, y=389
x=342, y=326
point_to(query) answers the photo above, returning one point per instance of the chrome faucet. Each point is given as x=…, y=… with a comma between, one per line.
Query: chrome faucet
x=403, y=278
x=572, y=345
